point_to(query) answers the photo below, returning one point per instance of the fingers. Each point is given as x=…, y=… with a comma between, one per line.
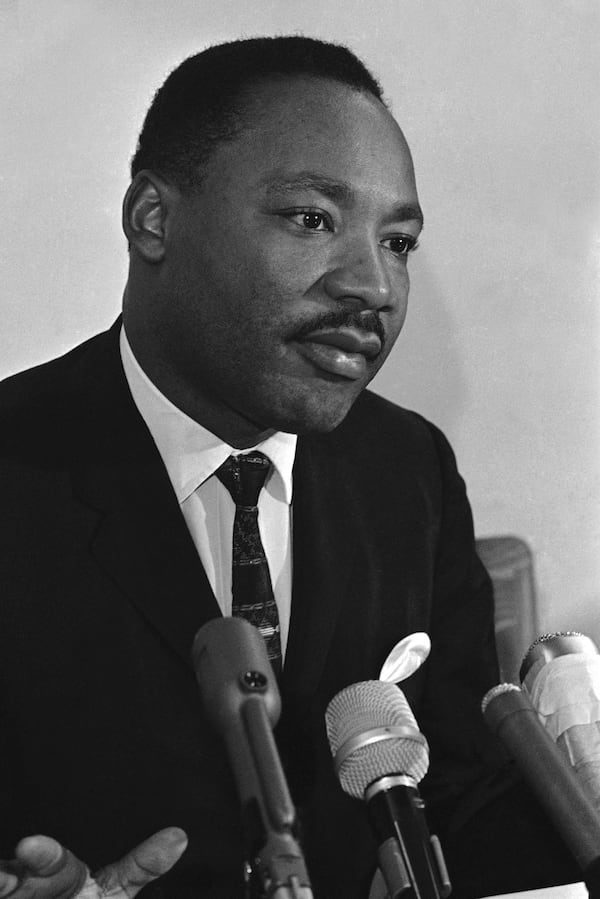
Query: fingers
x=42, y=869
x=153, y=857
x=8, y=883
x=42, y=856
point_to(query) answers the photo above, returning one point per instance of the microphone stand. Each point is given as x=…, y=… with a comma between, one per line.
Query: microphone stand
x=410, y=860
x=241, y=698
x=274, y=859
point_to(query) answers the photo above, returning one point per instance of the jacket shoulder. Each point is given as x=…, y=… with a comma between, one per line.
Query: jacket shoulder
x=37, y=384
x=384, y=428
x=42, y=407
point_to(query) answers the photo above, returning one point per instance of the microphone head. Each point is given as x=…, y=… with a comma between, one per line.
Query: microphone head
x=548, y=647
x=372, y=734
x=501, y=701
x=232, y=667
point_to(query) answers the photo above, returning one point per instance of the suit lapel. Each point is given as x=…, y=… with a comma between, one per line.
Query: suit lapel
x=323, y=541
x=141, y=541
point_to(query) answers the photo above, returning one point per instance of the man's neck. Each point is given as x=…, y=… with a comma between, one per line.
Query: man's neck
x=218, y=418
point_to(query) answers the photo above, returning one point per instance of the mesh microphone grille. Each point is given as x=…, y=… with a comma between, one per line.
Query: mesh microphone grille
x=356, y=711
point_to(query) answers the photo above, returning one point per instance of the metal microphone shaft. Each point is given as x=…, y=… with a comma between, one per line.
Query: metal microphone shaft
x=509, y=713
x=242, y=701
x=411, y=858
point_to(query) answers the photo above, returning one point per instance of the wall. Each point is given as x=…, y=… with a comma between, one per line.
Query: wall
x=499, y=101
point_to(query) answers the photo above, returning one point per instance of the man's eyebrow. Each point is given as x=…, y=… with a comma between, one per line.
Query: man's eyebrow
x=329, y=187
x=339, y=191
x=408, y=212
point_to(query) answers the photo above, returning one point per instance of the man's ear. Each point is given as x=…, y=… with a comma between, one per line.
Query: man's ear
x=146, y=207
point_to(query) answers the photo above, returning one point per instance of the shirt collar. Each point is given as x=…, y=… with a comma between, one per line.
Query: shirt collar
x=190, y=452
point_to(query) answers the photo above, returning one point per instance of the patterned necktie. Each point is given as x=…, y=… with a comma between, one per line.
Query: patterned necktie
x=244, y=476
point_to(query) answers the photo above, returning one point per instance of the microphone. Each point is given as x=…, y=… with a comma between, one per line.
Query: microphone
x=561, y=675
x=241, y=699
x=510, y=714
x=380, y=756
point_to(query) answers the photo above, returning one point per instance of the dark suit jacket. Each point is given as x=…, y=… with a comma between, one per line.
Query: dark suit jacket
x=102, y=736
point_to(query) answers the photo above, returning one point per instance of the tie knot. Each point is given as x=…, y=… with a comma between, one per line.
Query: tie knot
x=244, y=476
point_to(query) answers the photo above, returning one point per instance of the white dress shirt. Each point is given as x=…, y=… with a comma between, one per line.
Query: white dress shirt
x=191, y=455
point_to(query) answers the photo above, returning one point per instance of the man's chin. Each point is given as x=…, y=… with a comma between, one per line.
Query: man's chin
x=315, y=416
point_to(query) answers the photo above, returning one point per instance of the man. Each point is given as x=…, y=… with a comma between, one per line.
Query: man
x=270, y=217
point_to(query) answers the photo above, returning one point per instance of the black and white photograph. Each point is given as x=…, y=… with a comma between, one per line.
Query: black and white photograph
x=300, y=449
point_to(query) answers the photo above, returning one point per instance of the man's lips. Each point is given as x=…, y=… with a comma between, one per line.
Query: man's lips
x=351, y=340
x=343, y=351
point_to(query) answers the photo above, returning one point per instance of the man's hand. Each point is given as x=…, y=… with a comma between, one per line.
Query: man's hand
x=43, y=869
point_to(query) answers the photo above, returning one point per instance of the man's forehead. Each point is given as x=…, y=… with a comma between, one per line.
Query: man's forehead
x=313, y=134
x=273, y=102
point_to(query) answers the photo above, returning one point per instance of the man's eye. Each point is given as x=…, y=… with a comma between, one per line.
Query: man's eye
x=401, y=245
x=312, y=221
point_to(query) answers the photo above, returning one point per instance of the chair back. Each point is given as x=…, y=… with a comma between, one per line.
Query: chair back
x=509, y=562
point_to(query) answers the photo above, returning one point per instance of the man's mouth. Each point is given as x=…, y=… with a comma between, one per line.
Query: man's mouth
x=343, y=351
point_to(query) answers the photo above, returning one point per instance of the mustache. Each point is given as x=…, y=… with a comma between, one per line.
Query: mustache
x=369, y=322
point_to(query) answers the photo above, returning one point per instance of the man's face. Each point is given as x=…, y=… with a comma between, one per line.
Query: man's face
x=284, y=282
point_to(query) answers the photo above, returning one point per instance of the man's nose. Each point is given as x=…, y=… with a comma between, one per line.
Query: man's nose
x=361, y=276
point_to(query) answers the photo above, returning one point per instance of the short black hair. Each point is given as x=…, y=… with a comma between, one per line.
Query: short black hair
x=200, y=103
